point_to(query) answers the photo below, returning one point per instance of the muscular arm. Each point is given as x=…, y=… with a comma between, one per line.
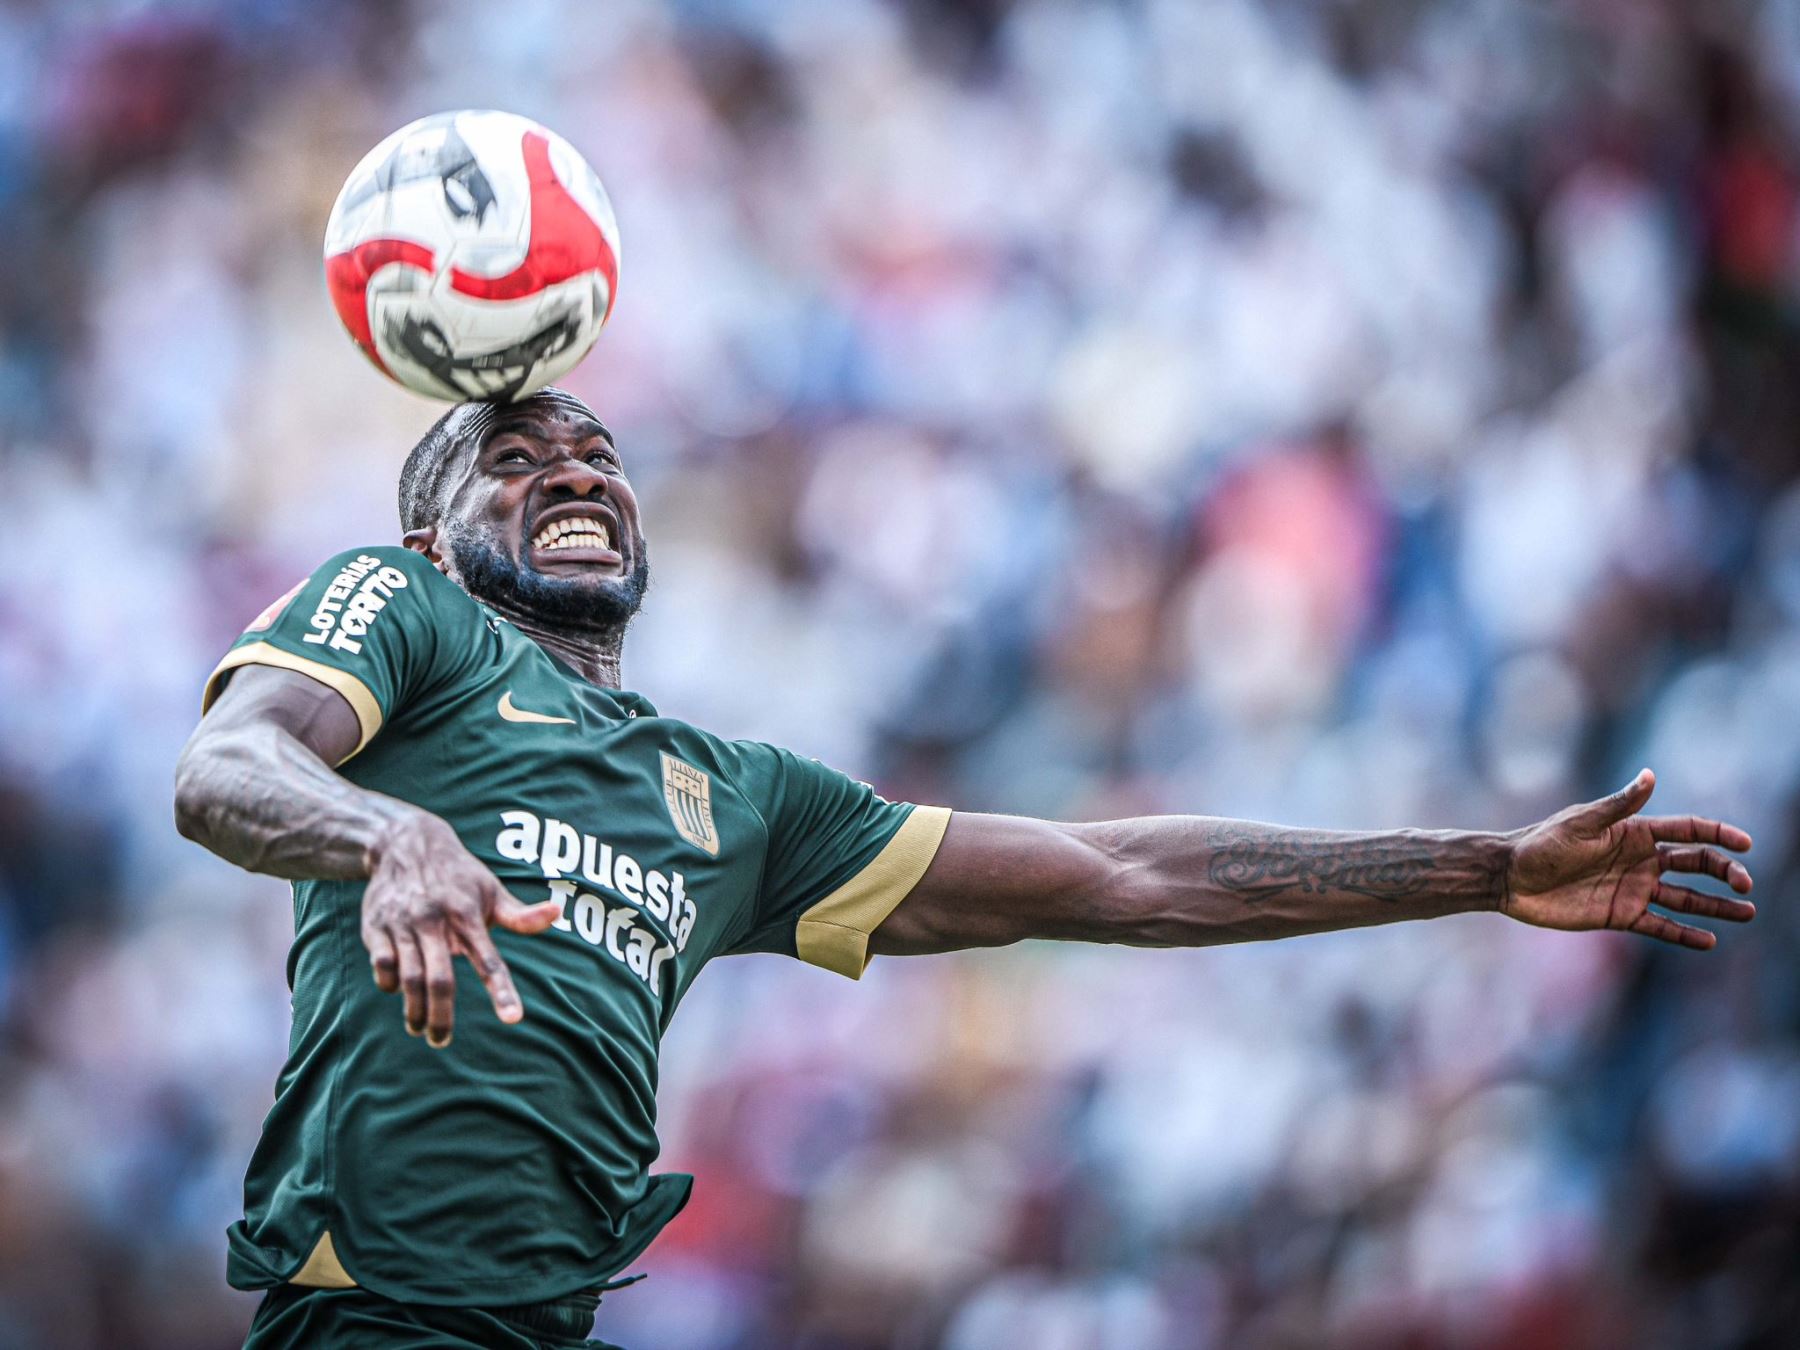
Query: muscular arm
x=1186, y=881
x=1181, y=881
x=255, y=785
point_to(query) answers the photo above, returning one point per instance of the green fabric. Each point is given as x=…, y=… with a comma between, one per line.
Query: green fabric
x=513, y=1166
x=291, y=1318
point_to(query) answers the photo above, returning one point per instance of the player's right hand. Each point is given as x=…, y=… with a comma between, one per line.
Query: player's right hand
x=429, y=898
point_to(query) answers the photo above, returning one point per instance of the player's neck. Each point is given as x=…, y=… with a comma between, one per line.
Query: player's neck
x=596, y=657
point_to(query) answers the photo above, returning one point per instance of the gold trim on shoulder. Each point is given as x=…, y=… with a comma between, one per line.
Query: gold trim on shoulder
x=323, y=1270
x=835, y=932
x=355, y=692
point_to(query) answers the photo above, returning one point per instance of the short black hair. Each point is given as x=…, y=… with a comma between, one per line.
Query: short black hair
x=422, y=478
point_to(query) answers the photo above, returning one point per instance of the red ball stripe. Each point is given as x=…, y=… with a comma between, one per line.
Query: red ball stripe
x=347, y=278
x=565, y=240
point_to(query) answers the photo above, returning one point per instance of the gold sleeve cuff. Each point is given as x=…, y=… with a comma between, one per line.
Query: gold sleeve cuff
x=355, y=692
x=835, y=932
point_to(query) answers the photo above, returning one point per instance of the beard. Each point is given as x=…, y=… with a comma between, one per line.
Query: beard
x=490, y=574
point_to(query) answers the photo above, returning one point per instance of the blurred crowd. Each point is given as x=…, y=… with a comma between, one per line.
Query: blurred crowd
x=1340, y=412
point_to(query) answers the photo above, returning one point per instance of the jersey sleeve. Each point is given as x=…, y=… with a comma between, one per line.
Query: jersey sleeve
x=371, y=623
x=840, y=857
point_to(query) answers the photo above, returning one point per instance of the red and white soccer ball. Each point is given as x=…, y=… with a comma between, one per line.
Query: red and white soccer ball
x=473, y=255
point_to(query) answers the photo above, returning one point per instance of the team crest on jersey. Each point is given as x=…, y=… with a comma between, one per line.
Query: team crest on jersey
x=688, y=792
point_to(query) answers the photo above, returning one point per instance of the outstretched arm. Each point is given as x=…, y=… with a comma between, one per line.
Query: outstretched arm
x=1190, y=881
x=255, y=785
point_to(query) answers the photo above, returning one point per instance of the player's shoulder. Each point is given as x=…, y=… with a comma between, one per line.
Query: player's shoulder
x=745, y=766
x=365, y=558
x=768, y=774
x=352, y=587
x=733, y=757
x=393, y=567
x=687, y=740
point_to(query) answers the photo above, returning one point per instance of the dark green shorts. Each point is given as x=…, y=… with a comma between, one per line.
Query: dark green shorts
x=295, y=1318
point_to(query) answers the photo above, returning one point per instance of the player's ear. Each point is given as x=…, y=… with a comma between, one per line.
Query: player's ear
x=425, y=541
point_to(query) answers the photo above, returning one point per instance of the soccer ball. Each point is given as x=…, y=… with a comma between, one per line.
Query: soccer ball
x=473, y=255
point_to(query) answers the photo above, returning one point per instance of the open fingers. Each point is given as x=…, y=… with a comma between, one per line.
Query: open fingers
x=1697, y=830
x=1665, y=929
x=1705, y=862
x=412, y=979
x=1685, y=901
x=440, y=986
x=382, y=959
x=478, y=946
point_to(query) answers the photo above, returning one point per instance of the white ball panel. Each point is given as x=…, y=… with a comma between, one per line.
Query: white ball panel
x=457, y=184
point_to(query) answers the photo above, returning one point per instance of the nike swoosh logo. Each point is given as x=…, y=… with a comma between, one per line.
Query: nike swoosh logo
x=513, y=714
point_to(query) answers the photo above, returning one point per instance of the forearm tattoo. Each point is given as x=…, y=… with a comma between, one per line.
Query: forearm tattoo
x=1261, y=869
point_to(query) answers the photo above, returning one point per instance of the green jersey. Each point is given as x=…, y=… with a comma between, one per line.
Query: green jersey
x=513, y=1166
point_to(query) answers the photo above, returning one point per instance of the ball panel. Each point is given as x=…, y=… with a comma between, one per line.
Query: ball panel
x=585, y=186
x=456, y=347
x=424, y=182
x=564, y=239
x=473, y=255
x=348, y=276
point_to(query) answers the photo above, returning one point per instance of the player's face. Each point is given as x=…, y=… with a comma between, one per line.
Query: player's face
x=543, y=515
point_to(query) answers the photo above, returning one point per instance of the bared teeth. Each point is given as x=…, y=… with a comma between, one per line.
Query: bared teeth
x=563, y=534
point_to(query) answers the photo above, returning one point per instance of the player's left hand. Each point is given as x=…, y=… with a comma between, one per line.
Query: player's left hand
x=1602, y=866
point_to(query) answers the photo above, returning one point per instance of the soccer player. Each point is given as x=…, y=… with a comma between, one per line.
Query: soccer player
x=433, y=741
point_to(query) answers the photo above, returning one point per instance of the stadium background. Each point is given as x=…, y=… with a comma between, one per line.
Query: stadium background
x=1349, y=414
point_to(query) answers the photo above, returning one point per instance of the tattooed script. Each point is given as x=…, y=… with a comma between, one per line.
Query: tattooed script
x=1260, y=870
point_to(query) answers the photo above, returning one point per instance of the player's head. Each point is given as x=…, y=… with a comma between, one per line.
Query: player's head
x=527, y=506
